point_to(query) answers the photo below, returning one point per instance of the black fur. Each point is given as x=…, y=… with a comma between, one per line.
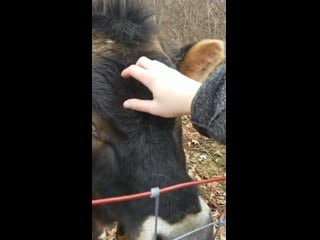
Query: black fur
x=127, y=22
x=150, y=153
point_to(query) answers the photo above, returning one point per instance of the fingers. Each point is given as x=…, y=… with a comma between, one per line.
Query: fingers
x=145, y=71
x=145, y=62
x=137, y=73
x=139, y=105
x=149, y=64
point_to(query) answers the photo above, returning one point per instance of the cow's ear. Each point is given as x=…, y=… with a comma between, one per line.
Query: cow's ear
x=200, y=59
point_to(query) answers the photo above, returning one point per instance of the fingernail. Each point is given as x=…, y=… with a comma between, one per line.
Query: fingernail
x=126, y=104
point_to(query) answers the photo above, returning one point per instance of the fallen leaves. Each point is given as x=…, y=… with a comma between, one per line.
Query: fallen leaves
x=206, y=159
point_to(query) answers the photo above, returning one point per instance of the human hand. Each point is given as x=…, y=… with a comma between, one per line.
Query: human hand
x=172, y=91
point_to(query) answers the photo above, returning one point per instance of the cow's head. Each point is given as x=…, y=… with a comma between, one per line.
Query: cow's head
x=132, y=151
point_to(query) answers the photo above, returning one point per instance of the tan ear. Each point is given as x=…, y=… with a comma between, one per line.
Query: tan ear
x=202, y=58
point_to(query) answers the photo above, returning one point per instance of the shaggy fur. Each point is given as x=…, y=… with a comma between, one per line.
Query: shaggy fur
x=132, y=151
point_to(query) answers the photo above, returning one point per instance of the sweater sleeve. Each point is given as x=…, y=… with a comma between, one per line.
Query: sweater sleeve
x=208, y=109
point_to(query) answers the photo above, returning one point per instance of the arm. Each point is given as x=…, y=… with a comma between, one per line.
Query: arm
x=208, y=110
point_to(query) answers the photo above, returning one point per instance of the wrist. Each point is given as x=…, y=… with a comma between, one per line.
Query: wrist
x=189, y=98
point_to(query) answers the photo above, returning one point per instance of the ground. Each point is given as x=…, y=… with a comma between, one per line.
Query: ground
x=205, y=159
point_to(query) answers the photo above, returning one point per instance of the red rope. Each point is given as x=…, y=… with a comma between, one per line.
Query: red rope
x=148, y=194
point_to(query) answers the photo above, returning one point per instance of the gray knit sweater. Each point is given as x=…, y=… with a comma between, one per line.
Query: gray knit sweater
x=208, y=111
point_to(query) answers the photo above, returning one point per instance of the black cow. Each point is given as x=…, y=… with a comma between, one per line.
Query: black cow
x=133, y=151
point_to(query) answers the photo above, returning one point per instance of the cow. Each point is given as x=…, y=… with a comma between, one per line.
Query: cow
x=132, y=151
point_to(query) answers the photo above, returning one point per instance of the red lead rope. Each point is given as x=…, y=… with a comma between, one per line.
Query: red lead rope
x=148, y=194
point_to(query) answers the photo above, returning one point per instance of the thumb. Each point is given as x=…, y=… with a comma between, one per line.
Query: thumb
x=139, y=105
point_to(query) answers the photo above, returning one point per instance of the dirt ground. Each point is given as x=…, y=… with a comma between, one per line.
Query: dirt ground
x=205, y=159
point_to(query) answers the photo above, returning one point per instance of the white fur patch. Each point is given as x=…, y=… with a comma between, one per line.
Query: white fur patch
x=189, y=223
x=103, y=236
